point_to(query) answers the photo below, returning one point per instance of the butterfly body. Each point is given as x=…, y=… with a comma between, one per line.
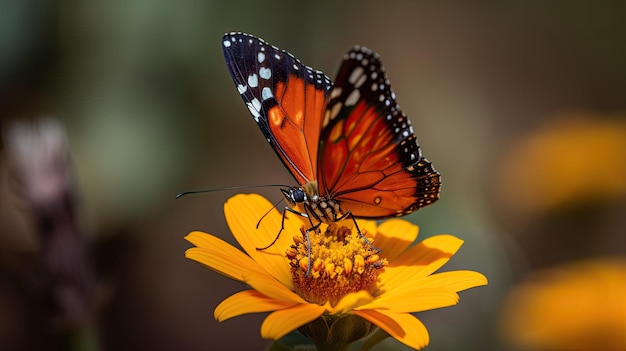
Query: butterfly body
x=306, y=200
x=351, y=149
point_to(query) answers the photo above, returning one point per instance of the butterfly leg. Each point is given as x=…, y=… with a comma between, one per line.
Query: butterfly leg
x=314, y=227
x=310, y=214
x=282, y=226
x=356, y=225
x=308, y=243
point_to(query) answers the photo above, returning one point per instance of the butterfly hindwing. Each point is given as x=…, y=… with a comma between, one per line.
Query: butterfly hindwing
x=369, y=159
x=286, y=98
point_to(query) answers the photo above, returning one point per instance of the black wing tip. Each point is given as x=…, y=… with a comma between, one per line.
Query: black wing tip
x=363, y=49
x=428, y=188
x=237, y=33
x=231, y=38
x=422, y=167
x=358, y=49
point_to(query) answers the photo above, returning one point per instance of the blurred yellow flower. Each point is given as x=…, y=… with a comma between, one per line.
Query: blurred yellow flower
x=571, y=159
x=579, y=306
x=349, y=285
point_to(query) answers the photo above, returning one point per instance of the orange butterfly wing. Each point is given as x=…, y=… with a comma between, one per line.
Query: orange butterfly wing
x=286, y=98
x=369, y=159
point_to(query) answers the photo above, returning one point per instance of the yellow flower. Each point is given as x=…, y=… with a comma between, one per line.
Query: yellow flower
x=576, y=306
x=571, y=160
x=347, y=277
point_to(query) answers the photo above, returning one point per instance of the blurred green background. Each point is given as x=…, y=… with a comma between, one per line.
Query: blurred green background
x=150, y=111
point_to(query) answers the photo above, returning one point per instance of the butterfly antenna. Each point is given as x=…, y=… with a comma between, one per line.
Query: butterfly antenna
x=268, y=212
x=179, y=195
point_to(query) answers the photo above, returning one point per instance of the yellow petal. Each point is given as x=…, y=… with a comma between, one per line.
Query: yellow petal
x=455, y=280
x=367, y=226
x=201, y=239
x=280, y=323
x=435, y=247
x=394, y=236
x=243, y=212
x=404, y=327
x=415, y=300
x=351, y=301
x=221, y=265
x=419, y=261
x=248, y=301
x=270, y=287
x=219, y=256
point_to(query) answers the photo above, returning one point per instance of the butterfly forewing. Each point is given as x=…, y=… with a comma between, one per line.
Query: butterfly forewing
x=286, y=98
x=369, y=159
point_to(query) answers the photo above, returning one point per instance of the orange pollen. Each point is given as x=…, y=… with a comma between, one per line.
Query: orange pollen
x=342, y=262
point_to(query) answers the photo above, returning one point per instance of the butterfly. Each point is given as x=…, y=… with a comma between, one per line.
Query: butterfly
x=351, y=149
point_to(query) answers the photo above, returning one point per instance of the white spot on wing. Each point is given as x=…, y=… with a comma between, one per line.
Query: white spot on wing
x=355, y=75
x=257, y=104
x=266, y=93
x=253, y=80
x=226, y=43
x=255, y=113
x=353, y=97
x=335, y=110
x=265, y=73
x=242, y=88
x=336, y=92
x=261, y=57
x=361, y=80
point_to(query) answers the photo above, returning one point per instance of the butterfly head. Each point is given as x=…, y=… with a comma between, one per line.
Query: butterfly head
x=294, y=196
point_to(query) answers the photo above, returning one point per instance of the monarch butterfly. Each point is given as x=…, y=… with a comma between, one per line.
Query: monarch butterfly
x=351, y=149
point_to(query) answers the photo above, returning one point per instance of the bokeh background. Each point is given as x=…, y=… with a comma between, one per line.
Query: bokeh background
x=520, y=105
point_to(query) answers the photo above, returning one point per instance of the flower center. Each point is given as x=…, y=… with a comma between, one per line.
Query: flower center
x=342, y=262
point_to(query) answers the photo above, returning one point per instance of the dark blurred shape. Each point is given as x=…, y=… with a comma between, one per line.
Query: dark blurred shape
x=58, y=277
